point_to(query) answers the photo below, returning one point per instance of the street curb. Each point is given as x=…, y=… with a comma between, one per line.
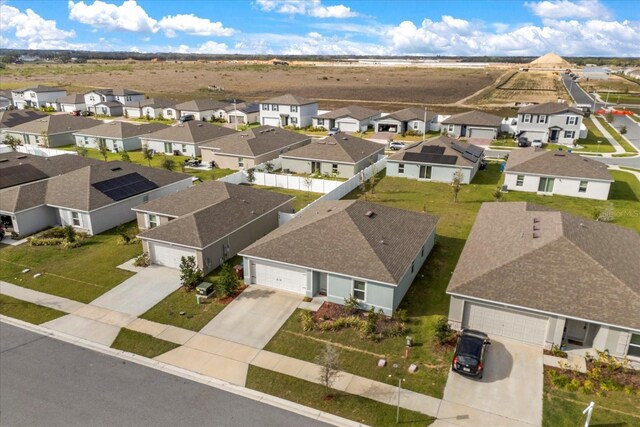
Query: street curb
x=186, y=374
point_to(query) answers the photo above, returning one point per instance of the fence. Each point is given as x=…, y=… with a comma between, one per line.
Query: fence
x=42, y=151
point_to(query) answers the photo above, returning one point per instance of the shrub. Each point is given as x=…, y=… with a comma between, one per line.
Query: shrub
x=306, y=319
x=142, y=260
x=167, y=163
x=228, y=282
x=401, y=315
x=70, y=245
x=190, y=274
x=443, y=330
x=560, y=381
x=588, y=387
x=69, y=234
x=623, y=130
x=555, y=351
x=46, y=241
x=603, y=214
x=574, y=385
x=351, y=304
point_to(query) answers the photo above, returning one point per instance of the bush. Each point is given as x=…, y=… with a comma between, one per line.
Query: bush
x=306, y=319
x=402, y=315
x=574, y=385
x=351, y=304
x=555, y=351
x=227, y=283
x=46, y=241
x=443, y=330
x=142, y=260
x=190, y=274
x=560, y=381
x=623, y=130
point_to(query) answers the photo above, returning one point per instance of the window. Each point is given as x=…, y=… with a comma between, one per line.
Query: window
x=240, y=162
x=91, y=98
x=416, y=125
x=542, y=119
x=334, y=168
x=153, y=221
x=294, y=121
x=359, y=290
x=167, y=147
x=519, y=180
x=33, y=95
x=634, y=346
x=546, y=185
x=265, y=107
x=294, y=108
x=413, y=267
x=422, y=252
x=184, y=148
x=572, y=120
x=569, y=134
x=75, y=219
x=128, y=98
x=145, y=198
x=425, y=172
x=583, y=186
x=169, y=112
x=526, y=118
x=451, y=128
x=274, y=107
x=401, y=168
x=320, y=122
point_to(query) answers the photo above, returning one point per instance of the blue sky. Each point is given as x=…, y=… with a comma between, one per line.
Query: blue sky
x=568, y=27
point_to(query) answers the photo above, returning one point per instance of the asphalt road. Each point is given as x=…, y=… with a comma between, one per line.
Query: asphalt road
x=46, y=382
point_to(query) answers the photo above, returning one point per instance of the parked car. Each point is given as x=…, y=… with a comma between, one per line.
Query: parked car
x=523, y=141
x=86, y=113
x=471, y=350
x=186, y=118
x=396, y=145
x=537, y=143
x=333, y=131
x=76, y=112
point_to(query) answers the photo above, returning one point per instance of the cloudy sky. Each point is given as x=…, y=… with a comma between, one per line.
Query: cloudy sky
x=394, y=27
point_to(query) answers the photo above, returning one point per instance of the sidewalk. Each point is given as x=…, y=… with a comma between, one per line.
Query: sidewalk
x=607, y=135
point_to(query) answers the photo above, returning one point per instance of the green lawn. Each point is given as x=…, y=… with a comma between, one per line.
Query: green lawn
x=81, y=274
x=356, y=408
x=504, y=142
x=302, y=198
x=142, y=344
x=630, y=169
x=590, y=143
x=616, y=135
x=27, y=311
x=622, y=98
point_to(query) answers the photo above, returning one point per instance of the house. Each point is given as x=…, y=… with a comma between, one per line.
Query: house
x=171, y=112
x=108, y=108
x=117, y=135
x=541, y=171
x=93, y=199
x=288, y=110
x=409, y=119
x=243, y=113
x=203, y=109
x=341, y=154
x=51, y=130
x=70, y=103
x=211, y=221
x=249, y=148
x=11, y=118
x=36, y=97
x=550, y=122
x=105, y=101
x=6, y=100
x=472, y=124
x=436, y=159
x=344, y=248
x=152, y=108
x=348, y=119
x=549, y=278
x=184, y=139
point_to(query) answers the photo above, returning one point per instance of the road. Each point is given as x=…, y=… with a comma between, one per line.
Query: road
x=49, y=382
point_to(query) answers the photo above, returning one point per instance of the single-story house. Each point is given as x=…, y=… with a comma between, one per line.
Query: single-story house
x=249, y=148
x=11, y=118
x=243, y=113
x=108, y=108
x=472, y=124
x=184, y=139
x=341, y=154
x=203, y=109
x=344, y=248
x=93, y=199
x=51, y=131
x=36, y=97
x=211, y=221
x=119, y=136
x=70, y=103
x=152, y=107
x=551, y=122
x=436, y=159
x=409, y=119
x=171, y=112
x=348, y=119
x=288, y=110
x=535, y=170
x=549, y=278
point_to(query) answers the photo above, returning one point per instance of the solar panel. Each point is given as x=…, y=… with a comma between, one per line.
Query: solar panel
x=470, y=157
x=430, y=158
x=20, y=174
x=457, y=147
x=475, y=150
x=125, y=186
x=432, y=149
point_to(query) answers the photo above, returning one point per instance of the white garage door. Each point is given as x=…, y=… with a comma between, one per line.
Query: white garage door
x=482, y=133
x=505, y=323
x=348, y=127
x=285, y=278
x=167, y=255
x=271, y=121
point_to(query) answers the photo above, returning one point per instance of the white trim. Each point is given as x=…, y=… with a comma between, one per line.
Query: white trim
x=321, y=161
x=429, y=164
x=353, y=290
x=557, y=176
x=261, y=154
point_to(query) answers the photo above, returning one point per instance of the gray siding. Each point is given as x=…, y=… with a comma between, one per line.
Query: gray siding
x=439, y=173
x=33, y=220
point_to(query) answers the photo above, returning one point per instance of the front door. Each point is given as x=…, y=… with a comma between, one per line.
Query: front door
x=576, y=331
x=553, y=135
x=322, y=285
x=463, y=131
x=315, y=167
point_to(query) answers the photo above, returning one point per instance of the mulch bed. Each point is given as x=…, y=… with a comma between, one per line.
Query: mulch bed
x=227, y=300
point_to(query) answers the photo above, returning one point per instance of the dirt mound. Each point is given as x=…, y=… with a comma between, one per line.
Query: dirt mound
x=550, y=60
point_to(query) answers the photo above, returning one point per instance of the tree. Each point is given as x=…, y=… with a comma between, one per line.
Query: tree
x=623, y=130
x=103, y=149
x=456, y=184
x=307, y=181
x=251, y=176
x=609, y=117
x=268, y=167
x=69, y=234
x=147, y=154
x=329, y=368
x=125, y=157
x=227, y=283
x=190, y=275
x=82, y=151
x=12, y=141
x=498, y=194
x=372, y=178
x=443, y=330
x=44, y=137
x=167, y=163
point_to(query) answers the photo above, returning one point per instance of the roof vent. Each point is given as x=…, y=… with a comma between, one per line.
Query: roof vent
x=4, y=160
x=559, y=154
x=117, y=168
x=21, y=157
x=200, y=125
x=253, y=212
x=536, y=220
x=536, y=235
x=382, y=242
x=344, y=138
x=536, y=227
x=370, y=214
x=582, y=225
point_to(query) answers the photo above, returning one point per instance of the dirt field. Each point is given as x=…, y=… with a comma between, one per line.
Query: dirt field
x=531, y=86
x=386, y=88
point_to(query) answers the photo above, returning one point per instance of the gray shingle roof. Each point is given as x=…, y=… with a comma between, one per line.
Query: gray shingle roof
x=576, y=267
x=75, y=98
x=201, y=105
x=256, y=141
x=121, y=130
x=43, y=89
x=21, y=197
x=555, y=163
x=124, y=92
x=111, y=104
x=152, y=102
x=549, y=108
x=474, y=118
x=55, y=124
x=338, y=148
x=288, y=99
x=209, y=211
x=13, y=118
x=355, y=111
x=447, y=143
x=337, y=236
x=193, y=132
x=245, y=107
x=411, y=113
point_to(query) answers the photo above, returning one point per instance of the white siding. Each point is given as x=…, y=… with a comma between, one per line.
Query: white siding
x=598, y=190
x=168, y=255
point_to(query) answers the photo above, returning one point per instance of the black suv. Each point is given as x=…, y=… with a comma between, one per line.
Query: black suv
x=471, y=350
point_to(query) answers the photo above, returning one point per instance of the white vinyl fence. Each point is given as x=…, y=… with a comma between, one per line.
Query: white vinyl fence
x=42, y=151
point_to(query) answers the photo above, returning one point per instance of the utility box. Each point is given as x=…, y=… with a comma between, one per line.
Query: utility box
x=239, y=269
x=204, y=288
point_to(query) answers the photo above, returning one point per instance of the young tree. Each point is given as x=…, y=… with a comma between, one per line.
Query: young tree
x=125, y=157
x=498, y=194
x=69, y=234
x=82, y=151
x=372, y=178
x=251, y=175
x=167, y=163
x=12, y=142
x=228, y=283
x=456, y=184
x=307, y=181
x=44, y=137
x=190, y=275
x=609, y=117
x=623, y=130
x=329, y=368
x=147, y=154
x=102, y=148
x=268, y=167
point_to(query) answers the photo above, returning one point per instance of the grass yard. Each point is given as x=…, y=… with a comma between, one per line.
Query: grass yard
x=356, y=408
x=142, y=344
x=616, y=135
x=209, y=174
x=613, y=83
x=623, y=98
x=27, y=311
x=590, y=143
x=302, y=198
x=80, y=274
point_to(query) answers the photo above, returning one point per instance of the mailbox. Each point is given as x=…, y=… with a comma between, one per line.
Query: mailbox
x=204, y=288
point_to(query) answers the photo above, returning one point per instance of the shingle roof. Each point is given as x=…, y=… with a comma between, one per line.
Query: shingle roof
x=338, y=236
x=121, y=130
x=465, y=154
x=50, y=166
x=111, y=104
x=209, y=211
x=549, y=108
x=21, y=197
x=474, y=118
x=193, y=132
x=338, y=148
x=153, y=102
x=288, y=99
x=245, y=107
x=17, y=117
x=124, y=92
x=201, y=105
x=555, y=163
x=355, y=111
x=55, y=124
x=256, y=141
x=75, y=98
x=576, y=267
x=411, y=113
x=43, y=89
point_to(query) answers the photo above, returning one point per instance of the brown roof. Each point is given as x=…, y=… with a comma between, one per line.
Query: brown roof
x=193, y=132
x=121, y=130
x=55, y=124
x=549, y=108
x=13, y=118
x=338, y=236
x=288, y=99
x=411, y=113
x=209, y=211
x=42, y=89
x=355, y=111
x=21, y=197
x=256, y=141
x=474, y=118
x=571, y=266
x=152, y=102
x=555, y=163
x=201, y=105
x=337, y=148
x=13, y=162
x=455, y=153
x=75, y=98
x=123, y=92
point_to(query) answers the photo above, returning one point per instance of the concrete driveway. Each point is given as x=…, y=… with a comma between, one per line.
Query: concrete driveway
x=254, y=317
x=510, y=393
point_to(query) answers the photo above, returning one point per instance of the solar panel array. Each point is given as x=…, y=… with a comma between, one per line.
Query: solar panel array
x=125, y=186
x=471, y=152
x=430, y=158
x=432, y=149
x=20, y=174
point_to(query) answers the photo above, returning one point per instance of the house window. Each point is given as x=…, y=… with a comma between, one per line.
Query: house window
x=583, y=186
x=413, y=267
x=167, y=147
x=75, y=219
x=572, y=120
x=274, y=107
x=153, y=221
x=334, y=168
x=169, y=112
x=294, y=108
x=634, y=346
x=526, y=118
x=265, y=107
x=425, y=172
x=519, y=180
x=451, y=128
x=416, y=125
x=294, y=121
x=184, y=148
x=546, y=185
x=128, y=98
x=240, y=162
x=92, y=98
x=569, y=134
x=359, y=290
x=145, y=198
x=33, y=95
x=320, y=122
x=542, y=119
x=401, y=168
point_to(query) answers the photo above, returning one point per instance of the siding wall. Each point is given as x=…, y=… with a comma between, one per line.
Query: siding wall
x=598, y=190
x=186, y=149
x=33, y=220
x=439, y=173
x=555, y=120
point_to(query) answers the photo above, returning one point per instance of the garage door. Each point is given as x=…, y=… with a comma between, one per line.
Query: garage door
x=348, y=127
x=167, y=255
x=482, y=133
x=505, y=323
x=236, y=119
x=285, y=278
x=271, y=121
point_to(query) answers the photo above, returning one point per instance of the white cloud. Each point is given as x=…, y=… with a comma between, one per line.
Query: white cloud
x=31, y=30
x=127, y=17
x=193, y=25
x=209, y=47
x=313, y=8
x=558, y=9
